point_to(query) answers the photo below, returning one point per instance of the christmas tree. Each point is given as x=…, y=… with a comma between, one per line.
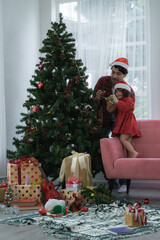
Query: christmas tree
x=8, y=196
x=61, y=114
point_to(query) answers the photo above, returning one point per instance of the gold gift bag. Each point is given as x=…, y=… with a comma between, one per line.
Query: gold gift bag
x=77, y=165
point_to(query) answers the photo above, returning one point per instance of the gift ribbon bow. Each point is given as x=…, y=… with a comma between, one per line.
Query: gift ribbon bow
x=26, y=162
x=137, y=210
x=4, y=185
x=73, y=180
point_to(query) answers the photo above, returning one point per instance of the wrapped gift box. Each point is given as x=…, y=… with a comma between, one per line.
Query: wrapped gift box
x=77, y=165
x=130, y=219
x=13, y=173
x=73, y=187
x=68, y=194
x=27, y=191
x=68, y=198
x=2, y=194
x=3, y=188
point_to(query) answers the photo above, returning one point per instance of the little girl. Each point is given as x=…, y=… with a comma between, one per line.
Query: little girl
x=125, y=124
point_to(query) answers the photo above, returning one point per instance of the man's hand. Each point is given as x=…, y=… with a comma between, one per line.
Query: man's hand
x=100, y=94
x=111, y=107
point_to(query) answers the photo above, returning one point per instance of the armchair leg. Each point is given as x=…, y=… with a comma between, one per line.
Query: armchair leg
x=111, y=184
x=128, y=184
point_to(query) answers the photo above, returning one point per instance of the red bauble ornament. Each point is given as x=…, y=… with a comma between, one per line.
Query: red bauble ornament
x=42, y=211
x=35, y=109
x=40, y=85
x=32, y=131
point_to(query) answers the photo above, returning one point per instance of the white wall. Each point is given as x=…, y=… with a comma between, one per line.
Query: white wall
x=155, y=57
x=21, y=44
x=25, y=24
x=2, y=103
x=45, y=18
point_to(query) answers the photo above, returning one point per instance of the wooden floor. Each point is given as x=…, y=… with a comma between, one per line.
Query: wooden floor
x=9, y=232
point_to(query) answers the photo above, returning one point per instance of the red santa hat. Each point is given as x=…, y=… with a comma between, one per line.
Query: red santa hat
x=123, y=62
x=123, y=85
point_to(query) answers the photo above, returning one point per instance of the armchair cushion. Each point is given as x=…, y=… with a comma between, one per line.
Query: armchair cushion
x=148, y=146
x=137, y=168
x=145, y=166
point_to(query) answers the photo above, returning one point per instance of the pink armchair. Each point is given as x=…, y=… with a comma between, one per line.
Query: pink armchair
x=145, y=166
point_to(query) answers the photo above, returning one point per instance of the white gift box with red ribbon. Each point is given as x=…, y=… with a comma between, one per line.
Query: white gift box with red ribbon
x=73, y=184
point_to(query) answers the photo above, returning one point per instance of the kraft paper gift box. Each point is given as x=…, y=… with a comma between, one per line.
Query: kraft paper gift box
x=68, y=194
x=130, y=219
x=27, y=191
x=68, y=198
x=2, y=194
x=3, y=188
x=13, y=173
x=77, y=165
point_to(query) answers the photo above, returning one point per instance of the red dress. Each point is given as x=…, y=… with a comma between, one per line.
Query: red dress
x=125, y=121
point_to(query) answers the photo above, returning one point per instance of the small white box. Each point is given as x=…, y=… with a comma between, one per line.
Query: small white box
x=73, y=187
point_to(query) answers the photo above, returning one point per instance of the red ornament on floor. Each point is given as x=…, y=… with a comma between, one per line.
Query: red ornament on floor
x=145, y=201
x=84, y=209
x=42, y=211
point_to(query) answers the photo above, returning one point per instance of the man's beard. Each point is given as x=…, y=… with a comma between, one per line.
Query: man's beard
x=114, y=81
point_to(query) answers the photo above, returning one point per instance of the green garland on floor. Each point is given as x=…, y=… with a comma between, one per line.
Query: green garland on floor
x=99, y=194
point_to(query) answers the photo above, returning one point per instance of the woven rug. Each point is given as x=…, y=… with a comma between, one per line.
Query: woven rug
x=93, y=224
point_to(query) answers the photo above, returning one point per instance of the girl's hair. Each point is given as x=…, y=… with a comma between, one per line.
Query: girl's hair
x=125, y=92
